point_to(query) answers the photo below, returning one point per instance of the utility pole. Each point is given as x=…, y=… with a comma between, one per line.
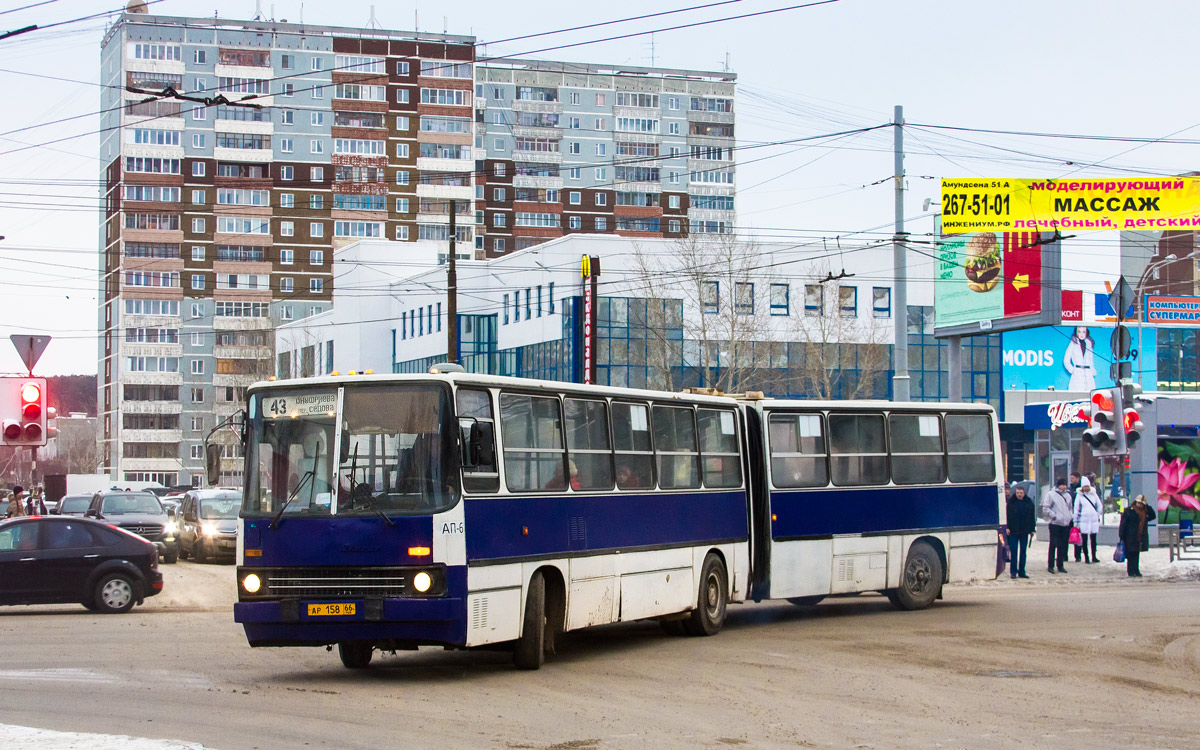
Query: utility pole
x=452, y=292
x=900, y=386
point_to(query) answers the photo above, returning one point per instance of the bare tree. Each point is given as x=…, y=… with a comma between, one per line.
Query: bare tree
x=844, y=351
x=714, y=276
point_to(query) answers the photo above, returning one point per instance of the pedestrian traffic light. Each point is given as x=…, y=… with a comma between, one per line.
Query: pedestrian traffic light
x=1133, y=428
x=1101, y=434
x=24, y=410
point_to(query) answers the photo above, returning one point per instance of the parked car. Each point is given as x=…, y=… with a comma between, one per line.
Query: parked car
x=141, y=513
x=209, y=524
x=63, y=559
x=73, y=505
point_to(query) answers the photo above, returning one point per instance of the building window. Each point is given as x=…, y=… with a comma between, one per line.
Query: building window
x=197, y=339
x=402, y=178
x=197, y=367
x=285, y=256
x=287, y=62
x=316, y=174
x=402, y=67
x=199, y=57
x=286, y=172
x=672, y=102
x=197, y=310
x=528, y=306
x=287, y=117
x=402, y=231
x=316, y=257
x=316, y=118
x=814, y=300
x=285, y=145
x=601, y=199
x=573, y=147
x=575, y=222
x=198, y=113
x=574, y=124
x=198, y=197
x=848, y=301
x=498, y=220
x=315, y=285
x=780, y=303
x=506, y=309
x=573, y=173
x=402, y=96
x=674, y=226
x=574, y=197
x=401, y=150
x=743, y=293
x=197, y=393
x=285, y=312
x=881, y=301
x=601, y=174
x=287, y=200
x=197, y=424
x=316, y=229
x=402, y=122
x=673, y=201
x=674, y=178
x=316, y=147
x=287, y=229
x=285, y=284
x=498, y=144
x=601, y=224
x=197, y=226
x=710, y=297
x=601, y=123
x=197, y=140
x=197, y=252
x=197, y=281
x=317, y=202
x=197, y=169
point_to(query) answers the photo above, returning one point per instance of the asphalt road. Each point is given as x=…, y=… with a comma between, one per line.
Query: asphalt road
x=1087, y=665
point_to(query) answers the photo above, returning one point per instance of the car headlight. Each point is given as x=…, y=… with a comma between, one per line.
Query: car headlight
x=171, y=528
x=422, y=581
x=208, y=529
x=252, y=583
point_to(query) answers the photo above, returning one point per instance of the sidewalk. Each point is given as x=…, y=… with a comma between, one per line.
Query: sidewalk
x=1155, y=566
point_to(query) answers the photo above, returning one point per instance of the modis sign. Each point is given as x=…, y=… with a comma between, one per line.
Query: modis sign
x=1013, y=205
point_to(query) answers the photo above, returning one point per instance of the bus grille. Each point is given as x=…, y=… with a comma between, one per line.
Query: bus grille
x=337, y=583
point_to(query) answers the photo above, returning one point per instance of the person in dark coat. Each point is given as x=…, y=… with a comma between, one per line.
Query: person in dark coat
x=1134, y=533
x=1022, y=520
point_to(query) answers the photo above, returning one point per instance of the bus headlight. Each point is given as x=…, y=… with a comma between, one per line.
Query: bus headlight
x=422, y=581
x=252, y=583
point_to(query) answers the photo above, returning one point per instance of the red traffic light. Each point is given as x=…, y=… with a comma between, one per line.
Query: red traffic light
x=30, y=393
x=1103, y=400
x=1131, y=418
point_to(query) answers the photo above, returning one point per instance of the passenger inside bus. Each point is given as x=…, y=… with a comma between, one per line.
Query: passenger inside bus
x=556, y=482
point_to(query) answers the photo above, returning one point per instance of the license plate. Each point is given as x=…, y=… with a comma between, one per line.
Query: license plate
x=339, y=608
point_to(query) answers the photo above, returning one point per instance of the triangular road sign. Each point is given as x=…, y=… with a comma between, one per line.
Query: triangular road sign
x=30, y=348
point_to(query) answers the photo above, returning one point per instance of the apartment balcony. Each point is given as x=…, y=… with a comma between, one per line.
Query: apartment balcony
x=538, y=157
x=151, y=407
x=694, y=115
x=447, y=192
x=129, y=349
x=241, y=324
x=244, y=126
x=150, y=464
x=637, y=137
x=527, y=181
x=262, y=155
x=153, y=152
x=432, y=164
x=243, y=381
x=709, y=214
x=243, y=352
x=528, y=105
x=151, y=378
x=151, y=436
x=528, y=131
x=703, y=165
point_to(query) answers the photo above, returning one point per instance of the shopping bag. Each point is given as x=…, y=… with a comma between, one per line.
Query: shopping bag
x=1119, y=552
x=1075, y=537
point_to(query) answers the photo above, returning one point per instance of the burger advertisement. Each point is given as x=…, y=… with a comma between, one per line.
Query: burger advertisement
x=969, y=276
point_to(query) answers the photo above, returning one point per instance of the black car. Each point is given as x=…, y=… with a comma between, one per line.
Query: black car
x=139, y=512
x=62, y=559
x=209, y=523
x=73, y=505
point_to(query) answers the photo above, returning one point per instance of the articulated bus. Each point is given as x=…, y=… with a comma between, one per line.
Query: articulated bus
x=461, y=510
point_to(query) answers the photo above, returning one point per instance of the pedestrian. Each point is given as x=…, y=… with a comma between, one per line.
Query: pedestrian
x=16, y=504
x=1134, y=534
x=34, y=505
x=1056, y=508
x=1076, y=481
x=1022, y=522
x=1088, y=509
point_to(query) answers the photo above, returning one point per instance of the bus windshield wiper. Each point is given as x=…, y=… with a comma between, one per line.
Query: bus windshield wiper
x=310, y=474
x=370, y=496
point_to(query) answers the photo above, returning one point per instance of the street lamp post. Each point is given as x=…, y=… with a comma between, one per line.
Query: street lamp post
x=1141, y=302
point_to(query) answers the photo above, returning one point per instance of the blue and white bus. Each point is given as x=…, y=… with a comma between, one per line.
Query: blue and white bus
x=461, y=510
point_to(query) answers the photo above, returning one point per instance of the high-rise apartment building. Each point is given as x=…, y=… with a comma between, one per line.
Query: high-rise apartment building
x=578, y=148
x=220, y=219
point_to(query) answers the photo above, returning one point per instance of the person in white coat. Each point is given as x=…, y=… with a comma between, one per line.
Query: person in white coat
x=1088, y=509
x=1080, y=362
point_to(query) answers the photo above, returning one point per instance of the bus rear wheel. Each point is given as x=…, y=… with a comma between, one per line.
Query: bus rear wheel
x=355, y=654
x=530, y=649
x=921, y=581
x=709, y=615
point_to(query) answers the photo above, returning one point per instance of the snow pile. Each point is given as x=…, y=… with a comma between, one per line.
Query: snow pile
x=1180, y=570
x=28, y=738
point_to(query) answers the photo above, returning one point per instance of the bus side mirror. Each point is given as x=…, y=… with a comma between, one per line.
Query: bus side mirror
x=212, y=464
x=482, y=444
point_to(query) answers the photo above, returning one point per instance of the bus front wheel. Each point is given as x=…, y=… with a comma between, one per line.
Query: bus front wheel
x=355, y=654
x=921, y=581
x=709, y=614
x=530, y=649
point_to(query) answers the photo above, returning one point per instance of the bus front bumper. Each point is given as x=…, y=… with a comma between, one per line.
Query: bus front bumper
x=439, y=621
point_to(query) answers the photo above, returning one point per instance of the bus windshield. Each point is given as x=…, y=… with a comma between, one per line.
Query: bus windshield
x=395, y=455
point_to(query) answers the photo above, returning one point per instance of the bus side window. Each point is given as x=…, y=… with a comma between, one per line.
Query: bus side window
x=634, y=453
x=857, y=451
x=675, y=447
x=590, y=461
x=719, y=446
x=969, y=453
x=798, y=451
x=534, y=459
x=916, y=449
x=476, y=407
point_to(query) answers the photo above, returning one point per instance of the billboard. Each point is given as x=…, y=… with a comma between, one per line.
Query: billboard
x=990, y=281
x=1010, y=205
x=1171, y=309
x=1068, y=358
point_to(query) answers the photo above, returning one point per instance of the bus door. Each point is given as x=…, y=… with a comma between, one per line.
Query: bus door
x=758, y=497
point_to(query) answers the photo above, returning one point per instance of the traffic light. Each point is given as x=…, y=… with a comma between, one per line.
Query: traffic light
x=1101, y=433
x=1133, y=428
x=24, y=410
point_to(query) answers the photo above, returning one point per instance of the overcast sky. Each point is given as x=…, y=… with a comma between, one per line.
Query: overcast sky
x=1066, y=67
